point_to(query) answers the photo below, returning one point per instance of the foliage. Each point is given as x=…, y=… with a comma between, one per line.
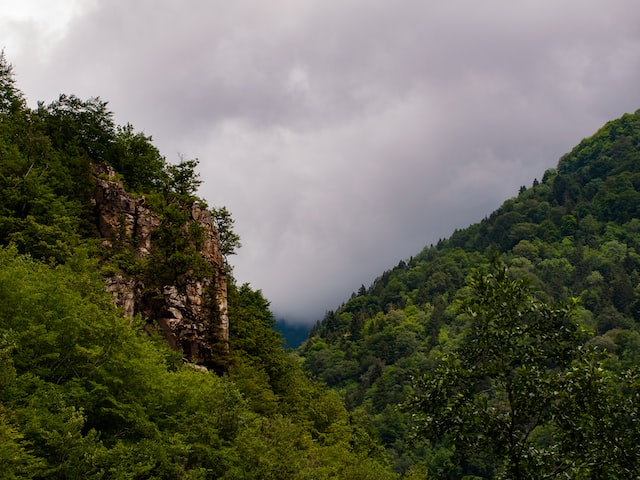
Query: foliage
x=549, y=388
x=85, y=393
x=79, y=127
x=138, y=161
x=11, y=99
x=229, y=240
x=575, y=233
x=183, y=180
x=491, y=395
x=598, y=428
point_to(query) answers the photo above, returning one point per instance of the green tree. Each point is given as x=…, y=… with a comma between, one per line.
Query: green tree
x=138, y=161
x=11, y=99
x=252, y=335
x=79, y=126
x=598, y=432
x=224, y=222
x=183, y=179
x=497, y=391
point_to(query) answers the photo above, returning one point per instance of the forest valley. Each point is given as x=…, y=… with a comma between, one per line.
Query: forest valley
x=509, y=350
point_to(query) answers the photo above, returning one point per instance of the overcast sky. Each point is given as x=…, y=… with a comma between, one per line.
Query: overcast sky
x=343, y=135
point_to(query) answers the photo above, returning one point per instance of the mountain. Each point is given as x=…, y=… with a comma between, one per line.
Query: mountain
x=573, y=234
x=127, y=349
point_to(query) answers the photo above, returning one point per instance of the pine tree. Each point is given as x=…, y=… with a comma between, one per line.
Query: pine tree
x=11, y=99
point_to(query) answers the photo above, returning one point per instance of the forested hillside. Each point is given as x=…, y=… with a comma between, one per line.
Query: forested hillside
x=510, y=349
x=86, y=393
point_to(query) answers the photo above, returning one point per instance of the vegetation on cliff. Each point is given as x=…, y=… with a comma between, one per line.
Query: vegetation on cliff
x=87, y=393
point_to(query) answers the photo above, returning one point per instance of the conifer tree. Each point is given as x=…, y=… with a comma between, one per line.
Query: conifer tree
x=11, y=99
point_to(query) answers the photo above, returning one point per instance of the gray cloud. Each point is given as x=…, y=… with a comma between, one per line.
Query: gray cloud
x=345, y=136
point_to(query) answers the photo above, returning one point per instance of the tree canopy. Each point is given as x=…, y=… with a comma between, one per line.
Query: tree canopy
x=508, y=350
x=86, y=393
x=572, y=234
x=502, y=397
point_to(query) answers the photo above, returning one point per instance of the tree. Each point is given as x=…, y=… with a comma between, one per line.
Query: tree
x=138, y=161
x=497, y=393
x=11, y=99
x=87, y=125
x=229, y=240
x=183, y=180
x=597, y=419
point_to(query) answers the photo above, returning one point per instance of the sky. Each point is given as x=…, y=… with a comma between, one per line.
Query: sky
x=343, y=135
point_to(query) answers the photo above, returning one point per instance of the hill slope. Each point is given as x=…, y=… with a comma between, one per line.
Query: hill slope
x=574, y=233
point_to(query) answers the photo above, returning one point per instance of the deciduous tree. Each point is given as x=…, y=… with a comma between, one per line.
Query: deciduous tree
x=497, y=392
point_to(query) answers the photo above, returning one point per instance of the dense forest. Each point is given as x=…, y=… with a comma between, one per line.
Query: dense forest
x=509, y=350
x=87, y=393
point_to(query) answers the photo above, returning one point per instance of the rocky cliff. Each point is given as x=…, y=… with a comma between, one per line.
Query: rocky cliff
x=191, y=314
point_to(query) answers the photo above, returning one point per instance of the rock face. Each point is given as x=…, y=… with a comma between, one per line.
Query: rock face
x=121, y=217
x=191, y=314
